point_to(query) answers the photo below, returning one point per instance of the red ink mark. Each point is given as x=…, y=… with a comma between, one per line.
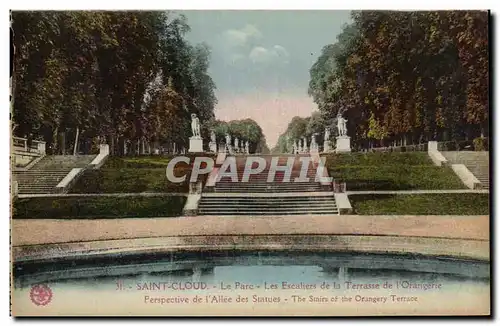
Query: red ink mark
x=40, y=294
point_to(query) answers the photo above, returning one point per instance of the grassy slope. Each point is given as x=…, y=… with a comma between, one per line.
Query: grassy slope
x=98, y=207
x=422, y=204
x=390, y=171
x=133, y=175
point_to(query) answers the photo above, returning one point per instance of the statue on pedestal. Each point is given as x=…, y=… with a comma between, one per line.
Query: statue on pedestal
x=195, y=142
x=236, y=145
x=247, y=147
x=213, y=142
x=341, y=125
x=343, y=141
x=228, y=142
x=327, y=134
x=326, y=142
x=195, y=125
x=305, y=145
x=313, y=142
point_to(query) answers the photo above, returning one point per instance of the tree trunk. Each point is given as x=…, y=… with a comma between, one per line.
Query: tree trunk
x=62, y=142
x=75, y=149
x=112, y=145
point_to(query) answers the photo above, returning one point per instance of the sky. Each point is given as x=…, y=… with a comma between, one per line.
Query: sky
x=260, y=61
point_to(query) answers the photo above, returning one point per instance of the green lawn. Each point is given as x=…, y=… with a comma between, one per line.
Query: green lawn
x=421, y=204
x=129, y=180
x=390, y=171
x=98, y=207
x=137, y=162
x=145, y=162
x=396, y=177
x=378, y=159
x=133, y=175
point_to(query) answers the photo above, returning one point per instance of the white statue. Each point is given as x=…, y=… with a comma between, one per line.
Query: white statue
x=341, y=125
x=247, y=147
x=327, y=133
x=212, y=137
x=305, y=145
x=228, y=140
x=236, y=144
x=313, y=141
x=195, y=125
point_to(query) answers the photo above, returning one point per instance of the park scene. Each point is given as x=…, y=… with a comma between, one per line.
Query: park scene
x=190, y=148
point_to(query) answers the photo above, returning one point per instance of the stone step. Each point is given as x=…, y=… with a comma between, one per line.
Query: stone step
x=40, y=177
x=263, y=198
x=268, y=207
x=264, y=181
x=266, y=190
x=46, y=192
x=262, y=208
x=266, y=185
x=279, y=180
x=265, y=213
x=264, y=175
x=37, y=185
x=280, y=200
x=43, y=172
x=52, y=162
x=32, y=176
x=297, y=169
x=281, y=189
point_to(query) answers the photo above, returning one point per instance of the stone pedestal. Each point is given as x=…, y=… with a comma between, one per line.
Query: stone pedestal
x=195, y=144
x=41, y=148
x=213, y=147
x=326, y=146
x=104, y=149
x=343, y=144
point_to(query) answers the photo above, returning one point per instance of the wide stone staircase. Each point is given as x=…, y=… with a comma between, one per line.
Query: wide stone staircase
x=477, y=162
x=44, y=176
x=259, y=197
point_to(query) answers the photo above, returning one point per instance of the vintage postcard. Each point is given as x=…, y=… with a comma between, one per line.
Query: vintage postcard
x=250, y=163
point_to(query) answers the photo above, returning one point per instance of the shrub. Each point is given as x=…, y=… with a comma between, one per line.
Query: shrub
x=456, y=145
x=481, y=144
x=421, y=204
x=98, y=207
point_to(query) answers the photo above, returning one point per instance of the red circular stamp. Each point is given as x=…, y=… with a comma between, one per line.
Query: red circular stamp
x=40, y=294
